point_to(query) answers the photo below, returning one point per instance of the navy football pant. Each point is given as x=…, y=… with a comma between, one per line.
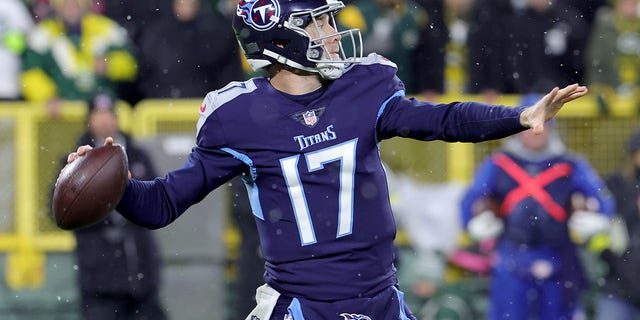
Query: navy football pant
x=388, y=305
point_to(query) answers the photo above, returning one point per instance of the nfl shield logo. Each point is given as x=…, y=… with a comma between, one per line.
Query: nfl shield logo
x=310, y=118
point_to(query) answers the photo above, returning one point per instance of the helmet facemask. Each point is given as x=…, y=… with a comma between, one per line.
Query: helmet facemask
x=327, y=66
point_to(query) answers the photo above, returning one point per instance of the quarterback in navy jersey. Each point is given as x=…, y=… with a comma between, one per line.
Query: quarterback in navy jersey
x=305, y=140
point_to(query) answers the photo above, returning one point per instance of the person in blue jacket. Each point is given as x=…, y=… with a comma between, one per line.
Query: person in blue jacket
x=305, y=139
x=531, y=195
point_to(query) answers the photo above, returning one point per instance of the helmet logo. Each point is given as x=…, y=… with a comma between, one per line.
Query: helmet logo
x=259, y=14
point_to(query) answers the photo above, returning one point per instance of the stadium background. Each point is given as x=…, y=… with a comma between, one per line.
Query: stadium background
x=36, y=261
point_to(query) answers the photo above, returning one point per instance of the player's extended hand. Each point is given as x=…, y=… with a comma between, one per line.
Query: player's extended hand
x=547, y=107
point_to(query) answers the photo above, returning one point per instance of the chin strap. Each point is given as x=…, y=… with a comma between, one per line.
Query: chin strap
x=327, y=70
x=331, y=71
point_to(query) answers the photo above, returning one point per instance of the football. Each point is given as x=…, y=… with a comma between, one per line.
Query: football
x=90, y=187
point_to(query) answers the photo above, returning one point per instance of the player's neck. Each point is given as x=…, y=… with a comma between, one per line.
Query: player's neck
x=295, y=84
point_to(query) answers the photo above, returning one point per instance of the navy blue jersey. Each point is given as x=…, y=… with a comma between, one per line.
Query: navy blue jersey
x=313, y=172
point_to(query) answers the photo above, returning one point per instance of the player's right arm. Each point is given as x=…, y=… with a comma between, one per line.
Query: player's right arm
x=156, y=203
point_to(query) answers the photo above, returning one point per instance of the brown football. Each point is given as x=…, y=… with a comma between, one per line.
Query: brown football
x=90, y=187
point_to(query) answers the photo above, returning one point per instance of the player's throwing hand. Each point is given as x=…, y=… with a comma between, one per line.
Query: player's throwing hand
x=82, y=150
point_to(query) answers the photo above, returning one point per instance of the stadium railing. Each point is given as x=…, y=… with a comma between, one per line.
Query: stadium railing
x=32, y=146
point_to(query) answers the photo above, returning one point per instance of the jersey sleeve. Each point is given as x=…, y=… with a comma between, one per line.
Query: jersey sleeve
x=457, y=121
x=209, y=132
x=156, y=203
x=371, y=82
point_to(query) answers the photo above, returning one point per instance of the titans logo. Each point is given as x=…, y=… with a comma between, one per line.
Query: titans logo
x=353, y=316
x=259, y=14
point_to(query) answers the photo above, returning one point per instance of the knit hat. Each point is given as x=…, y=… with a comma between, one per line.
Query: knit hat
x=101, y=101
x=634, y=142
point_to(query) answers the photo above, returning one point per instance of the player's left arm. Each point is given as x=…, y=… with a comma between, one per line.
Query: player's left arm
x=457, y=121
x=468, y=121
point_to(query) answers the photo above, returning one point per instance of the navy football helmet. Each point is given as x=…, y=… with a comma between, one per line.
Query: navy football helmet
x=273, y=31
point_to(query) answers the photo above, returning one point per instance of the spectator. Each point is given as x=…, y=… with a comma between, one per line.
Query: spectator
x=523, y=195
x=526, y=46
x=15, y=22
x=201, y=53
x=458, y=15
x=486, y=25
x=136, y=16
x=612, y=59
x=40, y=9
x=119, y=262
x=587, y=8
x=74, y=54
x=619, y=297
x=442, y=54
x=429, y=54
x=391, y=28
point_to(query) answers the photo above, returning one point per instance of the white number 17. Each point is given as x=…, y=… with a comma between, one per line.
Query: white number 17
x=346, y=154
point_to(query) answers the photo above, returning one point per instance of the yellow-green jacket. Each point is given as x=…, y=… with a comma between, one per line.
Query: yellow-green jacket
x=58, y=64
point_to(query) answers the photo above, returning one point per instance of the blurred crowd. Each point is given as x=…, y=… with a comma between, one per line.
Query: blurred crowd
x=57, y=50
x=63, y=49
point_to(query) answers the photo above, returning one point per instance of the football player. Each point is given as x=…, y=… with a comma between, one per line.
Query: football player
x=305, y=140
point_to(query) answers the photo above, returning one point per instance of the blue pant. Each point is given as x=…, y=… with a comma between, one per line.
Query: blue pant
x=534, y=283
x=514, y=297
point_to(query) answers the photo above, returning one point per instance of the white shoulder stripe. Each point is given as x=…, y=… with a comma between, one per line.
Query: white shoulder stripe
x=375, y=58
x=215, y=99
